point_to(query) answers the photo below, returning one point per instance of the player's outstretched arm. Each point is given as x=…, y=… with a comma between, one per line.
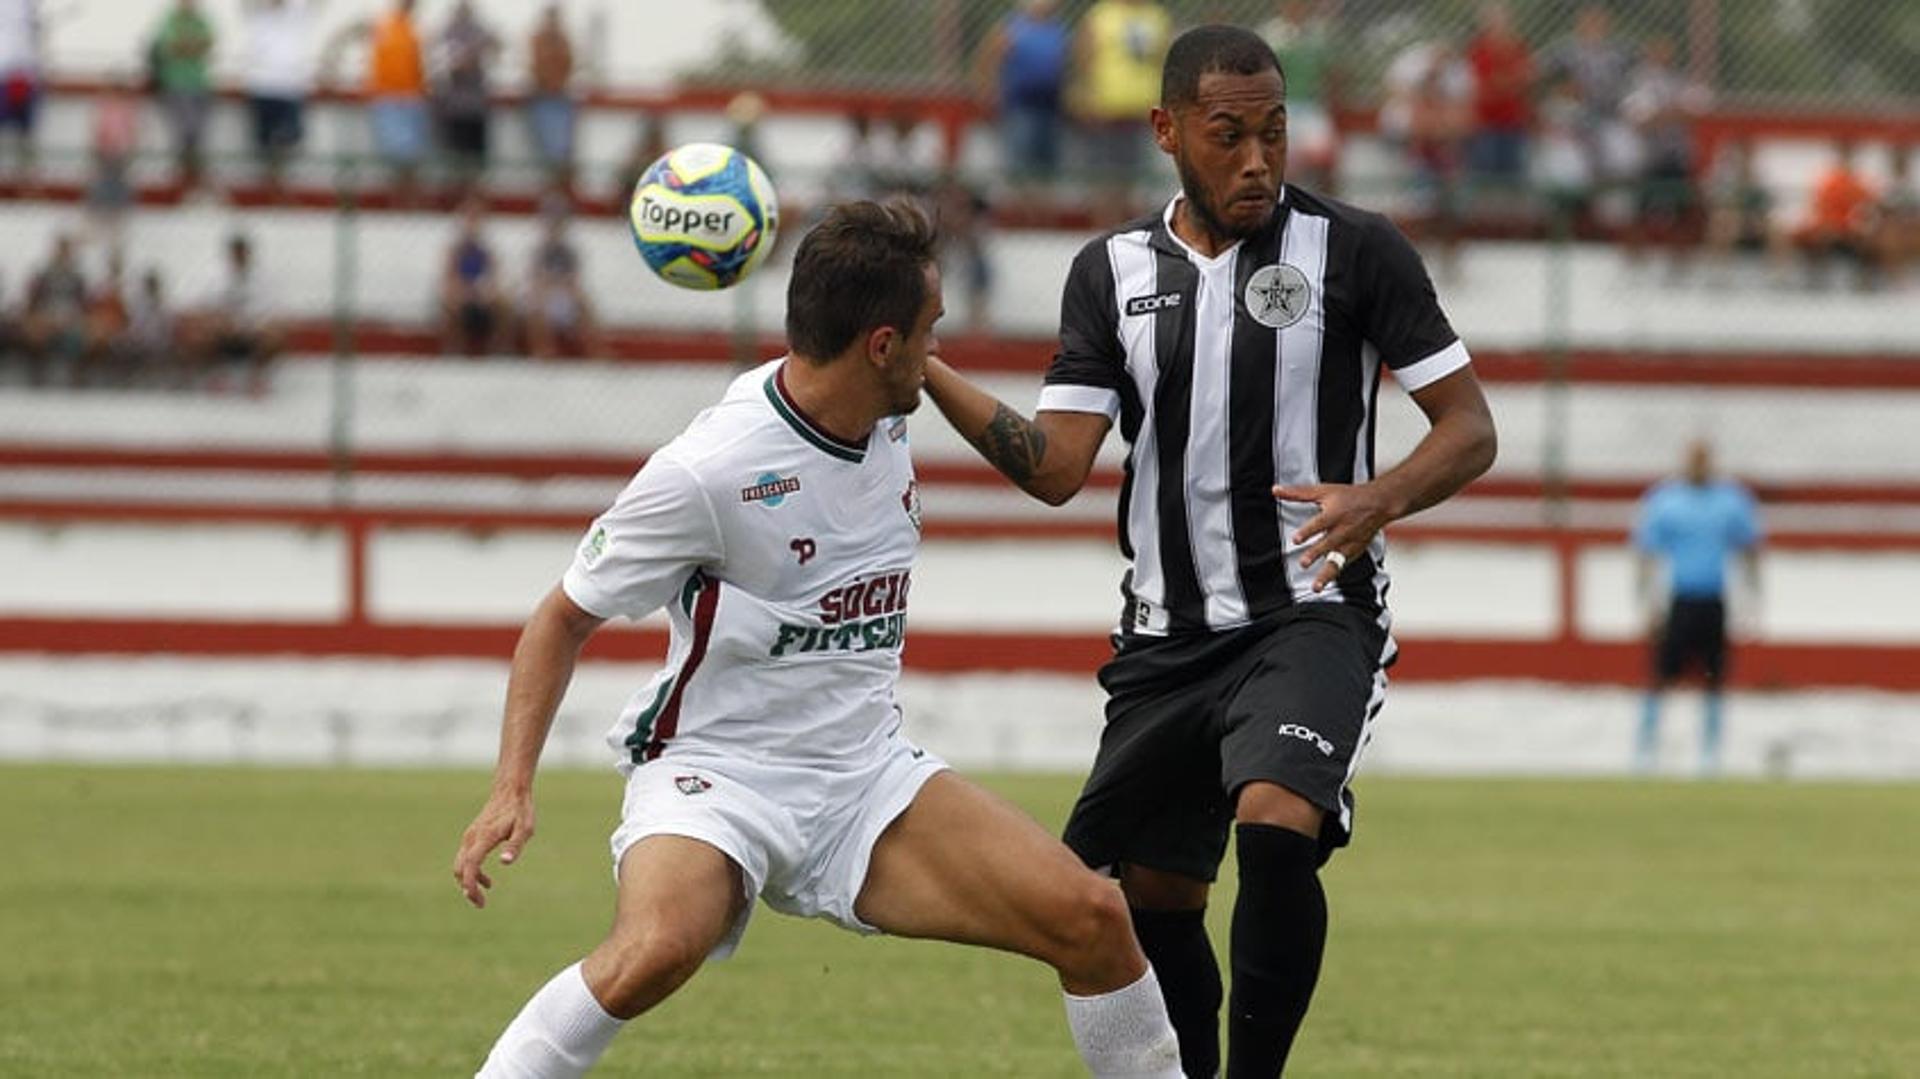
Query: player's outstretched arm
x=1049, y=456
x=543, y=664
x=1458, y=447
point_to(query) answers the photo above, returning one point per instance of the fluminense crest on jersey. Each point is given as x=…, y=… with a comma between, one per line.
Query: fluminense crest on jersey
x=911, y=502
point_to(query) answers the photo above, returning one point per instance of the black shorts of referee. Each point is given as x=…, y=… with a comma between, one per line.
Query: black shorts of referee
x=1695, y=636
x=1193, y=718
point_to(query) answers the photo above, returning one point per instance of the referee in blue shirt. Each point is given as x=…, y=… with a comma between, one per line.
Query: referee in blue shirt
x=1693, y=524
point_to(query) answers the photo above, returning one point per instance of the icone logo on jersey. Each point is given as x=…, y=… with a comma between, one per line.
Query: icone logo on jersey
x=771, y=488
x=864, y=616
x=1147, y=305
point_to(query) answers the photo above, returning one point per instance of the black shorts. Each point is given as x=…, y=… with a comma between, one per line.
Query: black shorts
x=1192, y=719
x=1695, y=633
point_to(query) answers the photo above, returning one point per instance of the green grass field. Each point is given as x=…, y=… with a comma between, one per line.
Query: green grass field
x=158, y=922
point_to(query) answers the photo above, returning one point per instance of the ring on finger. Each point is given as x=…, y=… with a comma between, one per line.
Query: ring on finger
x=1339, y=560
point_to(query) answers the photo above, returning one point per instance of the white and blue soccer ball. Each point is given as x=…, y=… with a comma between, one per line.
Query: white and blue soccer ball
x=704, y=216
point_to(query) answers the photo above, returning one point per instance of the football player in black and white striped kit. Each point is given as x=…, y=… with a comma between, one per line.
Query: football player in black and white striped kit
x=1238, y=337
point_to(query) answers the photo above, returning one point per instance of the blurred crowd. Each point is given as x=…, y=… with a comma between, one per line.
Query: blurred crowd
x=429, y=89
x=66, y=327
x=1589, y=133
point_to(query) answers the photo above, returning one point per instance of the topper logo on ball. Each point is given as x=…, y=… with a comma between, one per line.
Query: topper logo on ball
x=662, y=219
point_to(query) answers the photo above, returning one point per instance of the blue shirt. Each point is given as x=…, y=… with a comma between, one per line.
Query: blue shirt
x=1034, y=64
x=1695, y=528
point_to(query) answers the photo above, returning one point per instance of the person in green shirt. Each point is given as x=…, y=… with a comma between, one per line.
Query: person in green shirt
x=179, y=59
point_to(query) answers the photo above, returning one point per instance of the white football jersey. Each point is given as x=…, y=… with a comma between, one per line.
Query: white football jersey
x=782, y=555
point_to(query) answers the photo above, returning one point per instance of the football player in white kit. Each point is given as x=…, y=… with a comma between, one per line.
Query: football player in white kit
x=766, y=759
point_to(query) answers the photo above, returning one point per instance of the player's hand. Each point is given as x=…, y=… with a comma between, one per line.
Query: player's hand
x=1350, y=516
x=506, y=821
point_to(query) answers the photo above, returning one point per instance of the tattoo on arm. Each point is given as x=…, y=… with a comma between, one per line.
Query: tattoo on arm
x=1012, y=444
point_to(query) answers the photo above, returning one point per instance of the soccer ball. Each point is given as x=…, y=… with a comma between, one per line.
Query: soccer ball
x=704, y=216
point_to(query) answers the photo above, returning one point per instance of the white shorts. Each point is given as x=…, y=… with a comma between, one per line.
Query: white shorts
x=801, y=834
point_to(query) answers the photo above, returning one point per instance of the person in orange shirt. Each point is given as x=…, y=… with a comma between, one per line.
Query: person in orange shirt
x=1840, y=221
x=396, y=90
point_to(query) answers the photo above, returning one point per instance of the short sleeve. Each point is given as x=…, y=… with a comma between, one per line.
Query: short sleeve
x=1087, y=372
x=637, y=555
x=1400, y=312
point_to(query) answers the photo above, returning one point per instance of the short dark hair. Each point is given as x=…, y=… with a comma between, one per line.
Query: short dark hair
x=858, y=269
x=1232, y=50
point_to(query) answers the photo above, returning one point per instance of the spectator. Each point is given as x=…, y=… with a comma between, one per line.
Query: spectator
x=106, y=324
x=1428, y=112
x=649, y=145
x=1693, y=524
x=1117, y=55
x=550, y=109
x=473, y=313
x=744, y=112
x=557, y=309
x=396, y=86
x=116, y=133
x=147, y=348
x=466, y=49
x=1301, y=34
x=1662, y=105
x=181, y=51
x=234, y=327
x=1021, y=70
x=21, y=31
x=1502, y=81
x=279, y=75
x=1561, y=167
x=1599, y=66
x=12, y=337
x=1839, y=224
x=1899, y=230
x=54, y=329
x=963, y=215
x=1739, y=207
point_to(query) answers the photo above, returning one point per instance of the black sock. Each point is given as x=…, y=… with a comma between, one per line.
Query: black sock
x=1176, y=944
x=1279, y=932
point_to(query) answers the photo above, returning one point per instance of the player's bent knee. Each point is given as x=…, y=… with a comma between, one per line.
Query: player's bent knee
x=1091, y=929
x=640, y=970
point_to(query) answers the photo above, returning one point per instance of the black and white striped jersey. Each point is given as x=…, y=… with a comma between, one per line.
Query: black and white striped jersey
x=1230, y=374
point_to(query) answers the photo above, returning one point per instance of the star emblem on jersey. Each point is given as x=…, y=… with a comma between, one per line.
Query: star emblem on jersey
x=1278, y=295
x=692, y=784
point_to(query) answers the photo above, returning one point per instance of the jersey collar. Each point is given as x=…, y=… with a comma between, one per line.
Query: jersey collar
x=787, y=409
x=1164, y=238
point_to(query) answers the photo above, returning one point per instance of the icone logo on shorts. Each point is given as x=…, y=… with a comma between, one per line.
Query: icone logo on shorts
x=1307, y=734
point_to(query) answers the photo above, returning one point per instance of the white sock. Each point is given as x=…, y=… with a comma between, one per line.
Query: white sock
x=558, y=1035
x=1126, y=1034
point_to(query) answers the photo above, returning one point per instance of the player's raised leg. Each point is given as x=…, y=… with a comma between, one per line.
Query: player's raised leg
x=678, y=899
x=962, y=865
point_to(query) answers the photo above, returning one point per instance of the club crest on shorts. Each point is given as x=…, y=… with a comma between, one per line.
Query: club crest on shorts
x=1278, y=295
x=692, y=784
